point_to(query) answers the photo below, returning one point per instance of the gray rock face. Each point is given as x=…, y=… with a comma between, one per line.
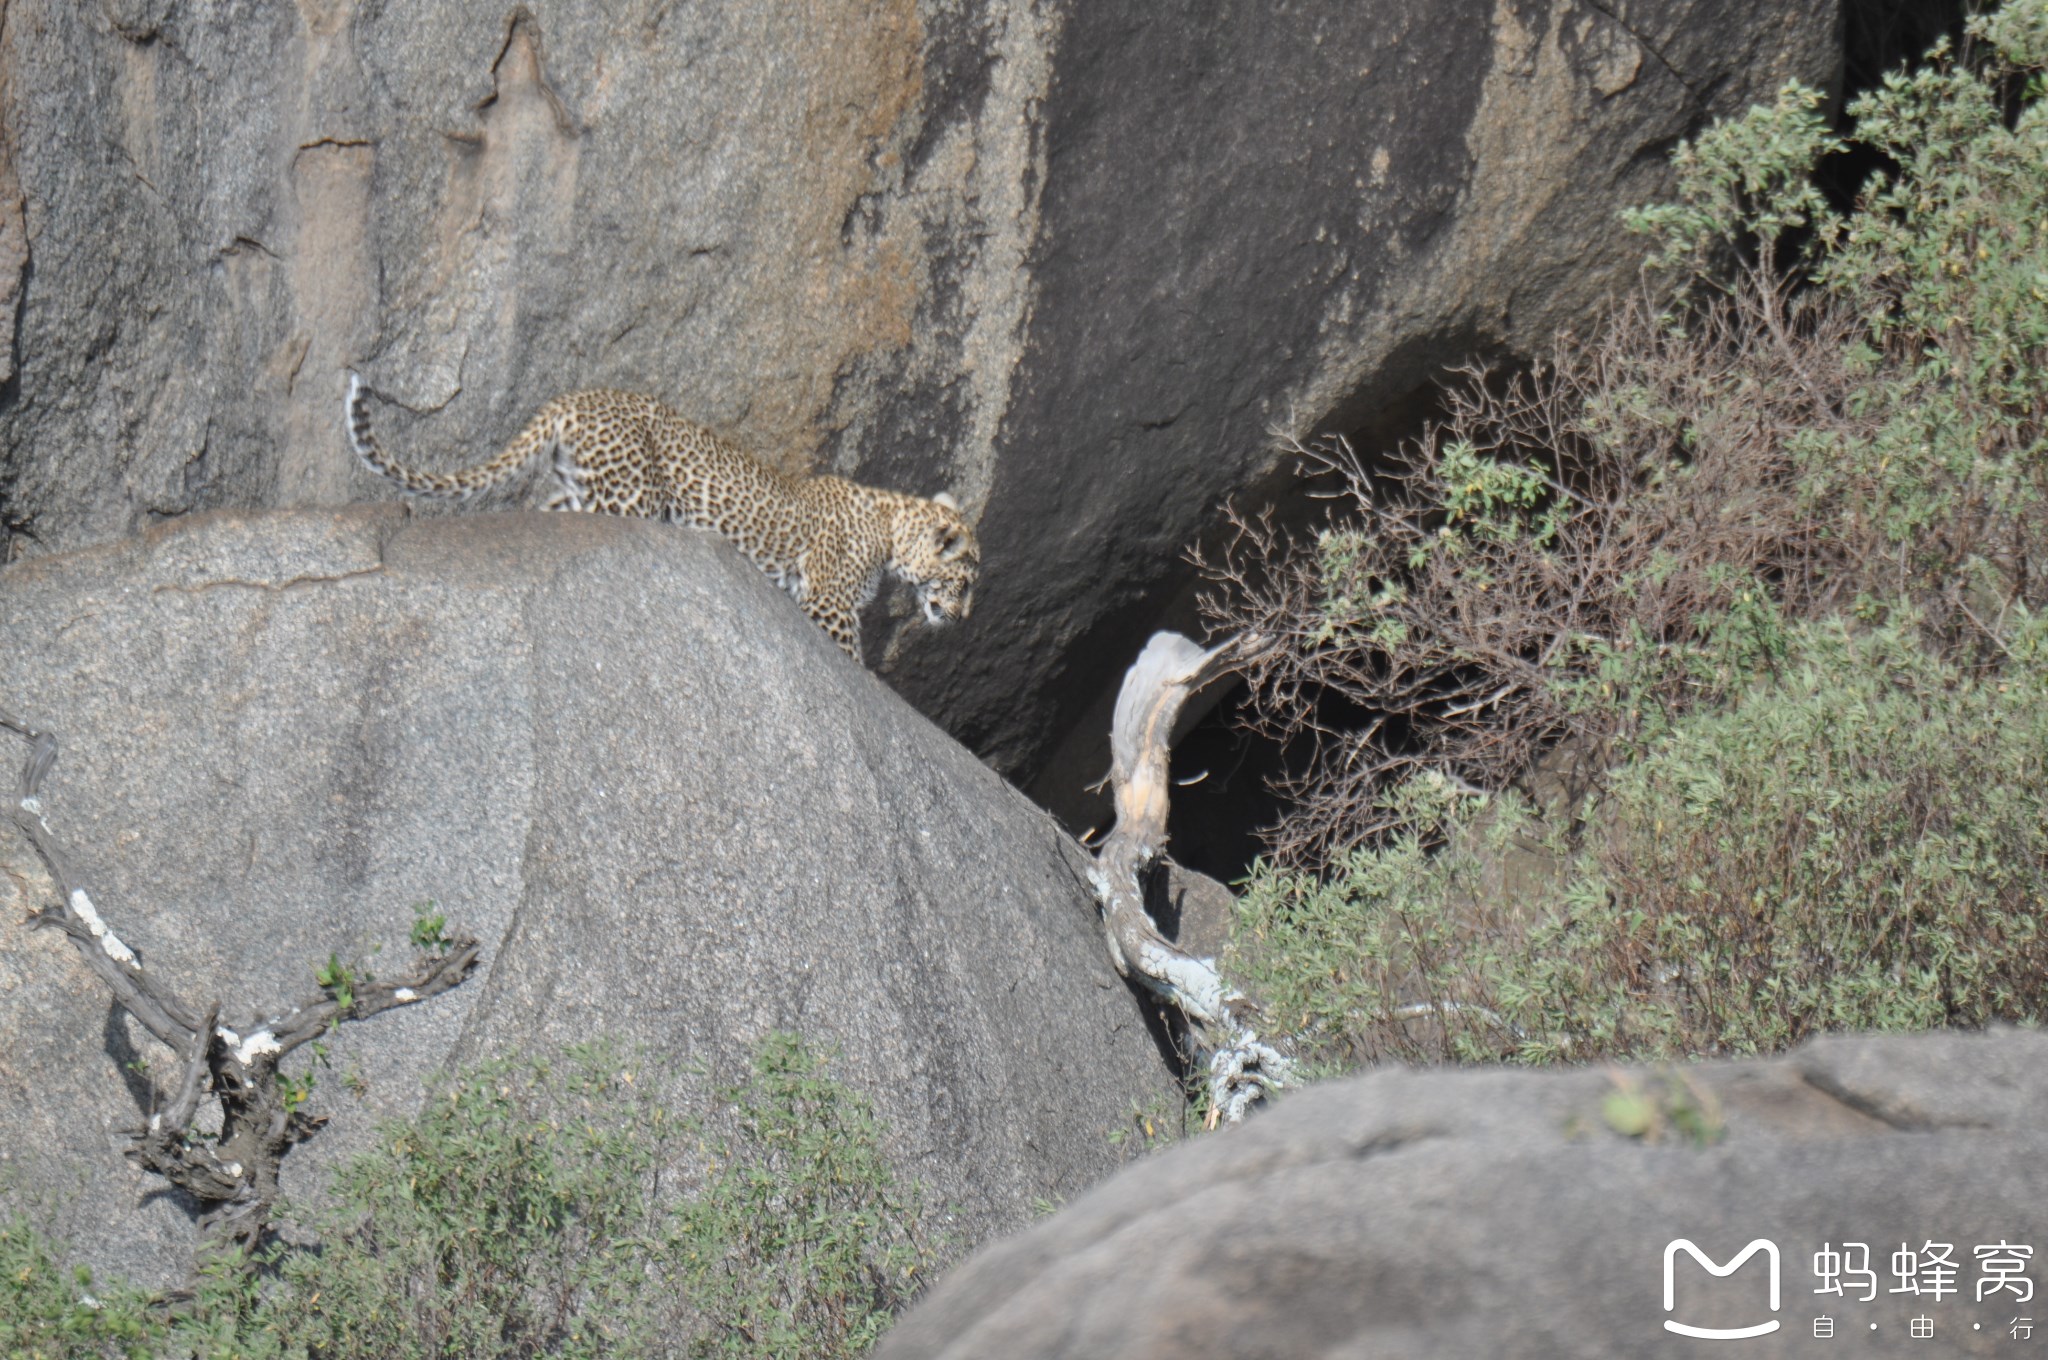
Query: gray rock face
x=1072, y=260
x=1495, y=1213
x=746, y=211
x=667, y=805
x=1297, y=218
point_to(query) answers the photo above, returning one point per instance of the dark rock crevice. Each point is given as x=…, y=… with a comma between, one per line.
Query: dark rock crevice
x=1217, y=822
x=1323, y=290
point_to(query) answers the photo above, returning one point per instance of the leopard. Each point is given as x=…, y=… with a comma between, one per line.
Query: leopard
x=825, y=540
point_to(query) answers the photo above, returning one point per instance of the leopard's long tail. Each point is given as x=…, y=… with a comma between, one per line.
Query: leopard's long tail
x=531, y=443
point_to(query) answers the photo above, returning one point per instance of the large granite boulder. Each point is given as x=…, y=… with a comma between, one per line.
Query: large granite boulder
x=669, y=807
x=1536, y=1214
x=1073, y=260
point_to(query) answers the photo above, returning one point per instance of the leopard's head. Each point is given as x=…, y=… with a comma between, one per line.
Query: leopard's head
x=933, y=548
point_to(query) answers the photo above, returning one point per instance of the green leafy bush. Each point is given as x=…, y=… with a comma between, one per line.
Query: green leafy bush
x=515, y=1215
x=1394, y=950
x=547, y=1209
x=1743, y=593
x=1857, y=842
x=800, y=1244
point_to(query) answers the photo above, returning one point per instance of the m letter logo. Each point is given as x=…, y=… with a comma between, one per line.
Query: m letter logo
x=1671, y=1250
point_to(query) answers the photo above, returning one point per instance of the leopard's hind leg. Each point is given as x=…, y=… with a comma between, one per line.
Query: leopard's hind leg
x=567, y=472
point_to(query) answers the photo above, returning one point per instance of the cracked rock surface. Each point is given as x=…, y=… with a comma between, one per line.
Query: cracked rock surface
x=1074, y=261
x=672, y=811
x=1496, y=1213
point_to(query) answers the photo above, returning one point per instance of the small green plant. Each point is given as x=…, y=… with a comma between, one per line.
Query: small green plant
x=1743, y=185
x=295, y=1090
x=429, y=929
x=49, y=1313
x=338, y=980
x=1672, y=1105
x=1158, y=1122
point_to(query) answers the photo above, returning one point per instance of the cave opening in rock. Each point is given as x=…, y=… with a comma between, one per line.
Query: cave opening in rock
x=1230, y=775
x=1226, y=775
x=1217, y=821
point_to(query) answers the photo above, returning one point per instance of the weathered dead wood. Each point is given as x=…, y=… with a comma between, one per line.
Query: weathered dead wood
x=1242, y=1067
x=234, y=1175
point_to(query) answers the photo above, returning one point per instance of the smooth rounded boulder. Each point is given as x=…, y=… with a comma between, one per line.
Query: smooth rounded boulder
x=674, y=813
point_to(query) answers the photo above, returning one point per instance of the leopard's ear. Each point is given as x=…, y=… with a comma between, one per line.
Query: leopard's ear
x=945, y=498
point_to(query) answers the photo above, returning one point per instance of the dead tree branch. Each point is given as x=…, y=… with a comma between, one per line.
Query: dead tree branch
x=1242, y=1067
x=234, y=1175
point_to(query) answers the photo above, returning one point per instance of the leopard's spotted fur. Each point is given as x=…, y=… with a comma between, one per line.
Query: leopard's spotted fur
x=825, y=540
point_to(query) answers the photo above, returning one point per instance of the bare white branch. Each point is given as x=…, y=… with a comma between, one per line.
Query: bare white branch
x=1242, y=1068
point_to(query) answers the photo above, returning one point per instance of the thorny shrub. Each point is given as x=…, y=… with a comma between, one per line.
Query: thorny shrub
x=1765, y=559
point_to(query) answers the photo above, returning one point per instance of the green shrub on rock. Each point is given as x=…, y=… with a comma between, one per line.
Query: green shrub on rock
x=546, y=1209
x=1764, y=567
x=1856, y=843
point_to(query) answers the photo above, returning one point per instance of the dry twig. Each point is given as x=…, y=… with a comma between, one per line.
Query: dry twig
x=234, y=1175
